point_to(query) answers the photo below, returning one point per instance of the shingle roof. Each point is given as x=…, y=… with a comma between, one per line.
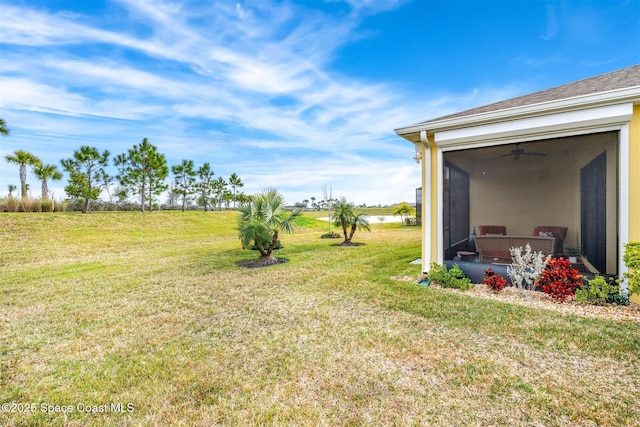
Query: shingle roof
x=620, y=79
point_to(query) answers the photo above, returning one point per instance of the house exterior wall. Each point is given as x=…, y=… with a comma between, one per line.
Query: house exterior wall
x=634, y=182
x=434, y=238
x=634, y=176
x=595, y=120
x=564, y=118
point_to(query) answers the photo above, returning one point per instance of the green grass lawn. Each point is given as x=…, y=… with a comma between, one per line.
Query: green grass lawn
x=151, y=311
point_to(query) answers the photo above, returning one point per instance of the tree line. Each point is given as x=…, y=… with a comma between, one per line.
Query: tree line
x=142, y=172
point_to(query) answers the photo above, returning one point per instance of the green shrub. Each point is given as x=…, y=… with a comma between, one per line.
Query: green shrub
x=331, y=235
x=618, y=299
x=631, y=259
x=438, y=274
x=599, y=291
x=47, y=205
x=36, y=205
x=454, y=278
x=458, y=279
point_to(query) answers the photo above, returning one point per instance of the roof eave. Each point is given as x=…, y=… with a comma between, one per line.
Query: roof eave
x=630, y=94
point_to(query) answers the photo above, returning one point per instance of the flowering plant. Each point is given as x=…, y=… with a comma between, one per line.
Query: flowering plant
x=525, y=267
x=559, y=279
x=493, y=280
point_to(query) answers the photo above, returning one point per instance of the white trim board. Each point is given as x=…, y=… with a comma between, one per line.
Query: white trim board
x=541, y=127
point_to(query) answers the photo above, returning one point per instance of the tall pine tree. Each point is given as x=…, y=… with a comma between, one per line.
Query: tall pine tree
x=184, y=180
x=86, y=171
x=143, y=170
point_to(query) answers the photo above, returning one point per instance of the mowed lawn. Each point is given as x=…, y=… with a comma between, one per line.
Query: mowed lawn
x=150, y=314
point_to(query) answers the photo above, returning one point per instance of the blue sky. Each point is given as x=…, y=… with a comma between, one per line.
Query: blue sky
x=287, y=94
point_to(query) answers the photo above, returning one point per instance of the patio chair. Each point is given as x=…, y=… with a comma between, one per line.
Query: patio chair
x=559, y=233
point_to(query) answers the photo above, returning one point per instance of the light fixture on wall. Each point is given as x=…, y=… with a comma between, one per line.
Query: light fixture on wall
x=418, y=155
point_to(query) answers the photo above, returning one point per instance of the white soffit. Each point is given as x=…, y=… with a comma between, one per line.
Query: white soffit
x=540, y=127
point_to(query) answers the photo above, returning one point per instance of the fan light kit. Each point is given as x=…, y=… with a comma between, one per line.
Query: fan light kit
x=517, y=152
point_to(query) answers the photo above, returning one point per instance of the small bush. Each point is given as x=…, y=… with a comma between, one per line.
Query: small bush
x=454, y=278
x=36, y=205
x=14, y=204
x=438, y=274
x=47, y=205
x=410, y=220
x=458, y=279
x=331, y=235
x=10, y=204
x=631, y=259
x=559, y=279
x=525, y=267
x=25, y=205
x=60, y=206
x=618, y=299
x=493, y=280
x=599, y=291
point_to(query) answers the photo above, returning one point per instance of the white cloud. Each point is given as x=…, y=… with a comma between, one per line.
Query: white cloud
x=247, y=86
x=552, y=23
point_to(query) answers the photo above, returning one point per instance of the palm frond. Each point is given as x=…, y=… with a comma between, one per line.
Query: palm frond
x=260, y=220
x=361, y=221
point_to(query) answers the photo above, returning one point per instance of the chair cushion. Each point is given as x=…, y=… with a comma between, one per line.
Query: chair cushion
x=496, y=230
x=559, y=232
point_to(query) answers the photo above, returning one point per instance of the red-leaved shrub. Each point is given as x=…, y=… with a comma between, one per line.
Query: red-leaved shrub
x=559, y=279
x=493, y=280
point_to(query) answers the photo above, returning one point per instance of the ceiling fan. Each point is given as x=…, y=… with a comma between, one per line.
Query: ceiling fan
x=517, y=152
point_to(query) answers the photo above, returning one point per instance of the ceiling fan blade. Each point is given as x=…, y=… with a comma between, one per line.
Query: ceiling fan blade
x=533, y=153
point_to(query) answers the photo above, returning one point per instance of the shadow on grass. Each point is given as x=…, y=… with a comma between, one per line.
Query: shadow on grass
x=349, y=244
x=262, y=262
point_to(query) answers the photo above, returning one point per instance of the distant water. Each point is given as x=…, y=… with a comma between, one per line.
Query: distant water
x=373, y=219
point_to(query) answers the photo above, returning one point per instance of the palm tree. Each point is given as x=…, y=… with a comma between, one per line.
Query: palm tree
x=12, y=188
x=404, y=210
x=261, y=221
x=345, y=217
x=4, y=130
x=23, y=158
x=45, y=172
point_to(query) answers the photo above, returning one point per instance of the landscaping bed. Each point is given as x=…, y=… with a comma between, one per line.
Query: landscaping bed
x=537, y=299
x=541, y=300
